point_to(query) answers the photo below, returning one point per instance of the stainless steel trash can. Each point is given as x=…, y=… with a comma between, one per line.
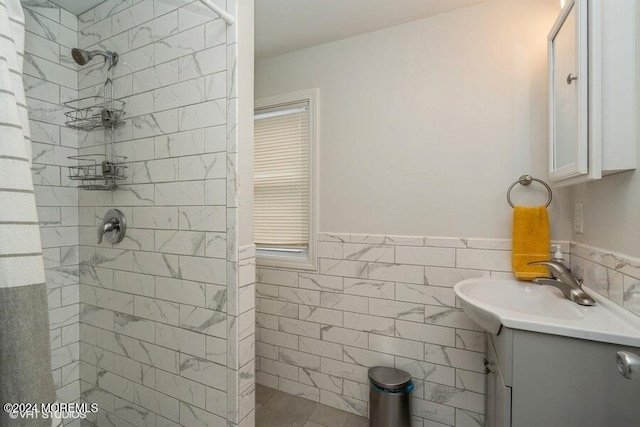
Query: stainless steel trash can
x=389, y=397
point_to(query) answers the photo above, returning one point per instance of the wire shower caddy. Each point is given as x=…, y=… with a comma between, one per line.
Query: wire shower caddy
x=94, y=112
x=99, y=112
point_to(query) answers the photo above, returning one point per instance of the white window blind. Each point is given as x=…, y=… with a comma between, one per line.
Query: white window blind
x=282, y=177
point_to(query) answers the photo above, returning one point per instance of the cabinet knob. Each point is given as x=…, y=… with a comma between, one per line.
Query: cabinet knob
x=628, y=364
x=571, y=78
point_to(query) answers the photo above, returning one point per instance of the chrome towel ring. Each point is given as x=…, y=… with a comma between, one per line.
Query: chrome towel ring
x=526, y=180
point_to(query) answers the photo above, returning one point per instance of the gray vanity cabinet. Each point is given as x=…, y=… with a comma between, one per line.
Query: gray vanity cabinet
x=536, y=380
x=498, y=394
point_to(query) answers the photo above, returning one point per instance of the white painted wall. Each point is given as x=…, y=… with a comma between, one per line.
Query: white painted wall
x=611, y=213
x=425, y=125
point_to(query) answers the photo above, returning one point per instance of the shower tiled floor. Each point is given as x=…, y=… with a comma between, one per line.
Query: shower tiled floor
x=277, y=409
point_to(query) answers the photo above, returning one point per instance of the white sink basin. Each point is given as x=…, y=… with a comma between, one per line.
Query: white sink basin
x=492, y=303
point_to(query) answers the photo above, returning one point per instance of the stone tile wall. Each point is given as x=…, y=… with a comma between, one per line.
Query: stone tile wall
x=379, y=300
x=612, y=275
x=388, y=300
x=167, y=324
x=50, y=79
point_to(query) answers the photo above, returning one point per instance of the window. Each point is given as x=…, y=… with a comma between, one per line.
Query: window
x=284, y=180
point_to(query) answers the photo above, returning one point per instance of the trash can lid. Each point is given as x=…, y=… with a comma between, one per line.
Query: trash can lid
x=392, y=378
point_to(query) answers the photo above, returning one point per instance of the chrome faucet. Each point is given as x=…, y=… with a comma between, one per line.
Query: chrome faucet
x=113, y=227
x=562, y=279
x=110, y=225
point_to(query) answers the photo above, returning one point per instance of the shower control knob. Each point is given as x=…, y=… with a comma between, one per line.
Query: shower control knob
x=628, y=364
x=114, y=226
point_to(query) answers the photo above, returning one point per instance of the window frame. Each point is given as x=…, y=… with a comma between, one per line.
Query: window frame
x=307, y=260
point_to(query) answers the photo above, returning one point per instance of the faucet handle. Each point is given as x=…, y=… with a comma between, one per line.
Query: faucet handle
x=111, y=225
x=114, y=226
x=556, y=269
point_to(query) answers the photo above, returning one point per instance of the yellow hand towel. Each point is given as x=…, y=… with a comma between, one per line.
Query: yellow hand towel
x=530, y=241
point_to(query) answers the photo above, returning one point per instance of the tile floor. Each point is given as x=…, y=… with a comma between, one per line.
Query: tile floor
x=277, y=409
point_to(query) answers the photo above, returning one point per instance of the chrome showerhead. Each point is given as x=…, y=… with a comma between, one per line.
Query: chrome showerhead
x=82, y=57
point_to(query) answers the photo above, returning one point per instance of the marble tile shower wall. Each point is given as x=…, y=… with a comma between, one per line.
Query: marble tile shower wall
x=50, y=78
x=379, y=300
x=167, y=315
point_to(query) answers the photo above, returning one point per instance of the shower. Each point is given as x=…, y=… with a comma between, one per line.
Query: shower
x=99, y=111
x=82, y=57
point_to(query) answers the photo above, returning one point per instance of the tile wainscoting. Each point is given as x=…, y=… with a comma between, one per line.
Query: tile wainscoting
x=611, y=274
x=389, y=300
x=379, y=300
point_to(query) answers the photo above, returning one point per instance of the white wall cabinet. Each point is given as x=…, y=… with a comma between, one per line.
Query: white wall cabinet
x=592, y=91
x=536, y=380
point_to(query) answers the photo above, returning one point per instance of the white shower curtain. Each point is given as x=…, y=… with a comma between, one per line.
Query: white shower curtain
x=25, y=358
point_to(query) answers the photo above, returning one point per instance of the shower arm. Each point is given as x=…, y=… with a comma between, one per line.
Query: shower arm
x=109, y=56
x=83, y=57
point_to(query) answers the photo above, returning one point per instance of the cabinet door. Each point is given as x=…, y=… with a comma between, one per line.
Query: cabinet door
x=568, y=86
x=498, y=394
x=490, y=409
x=592, y=96
x=568, y=382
